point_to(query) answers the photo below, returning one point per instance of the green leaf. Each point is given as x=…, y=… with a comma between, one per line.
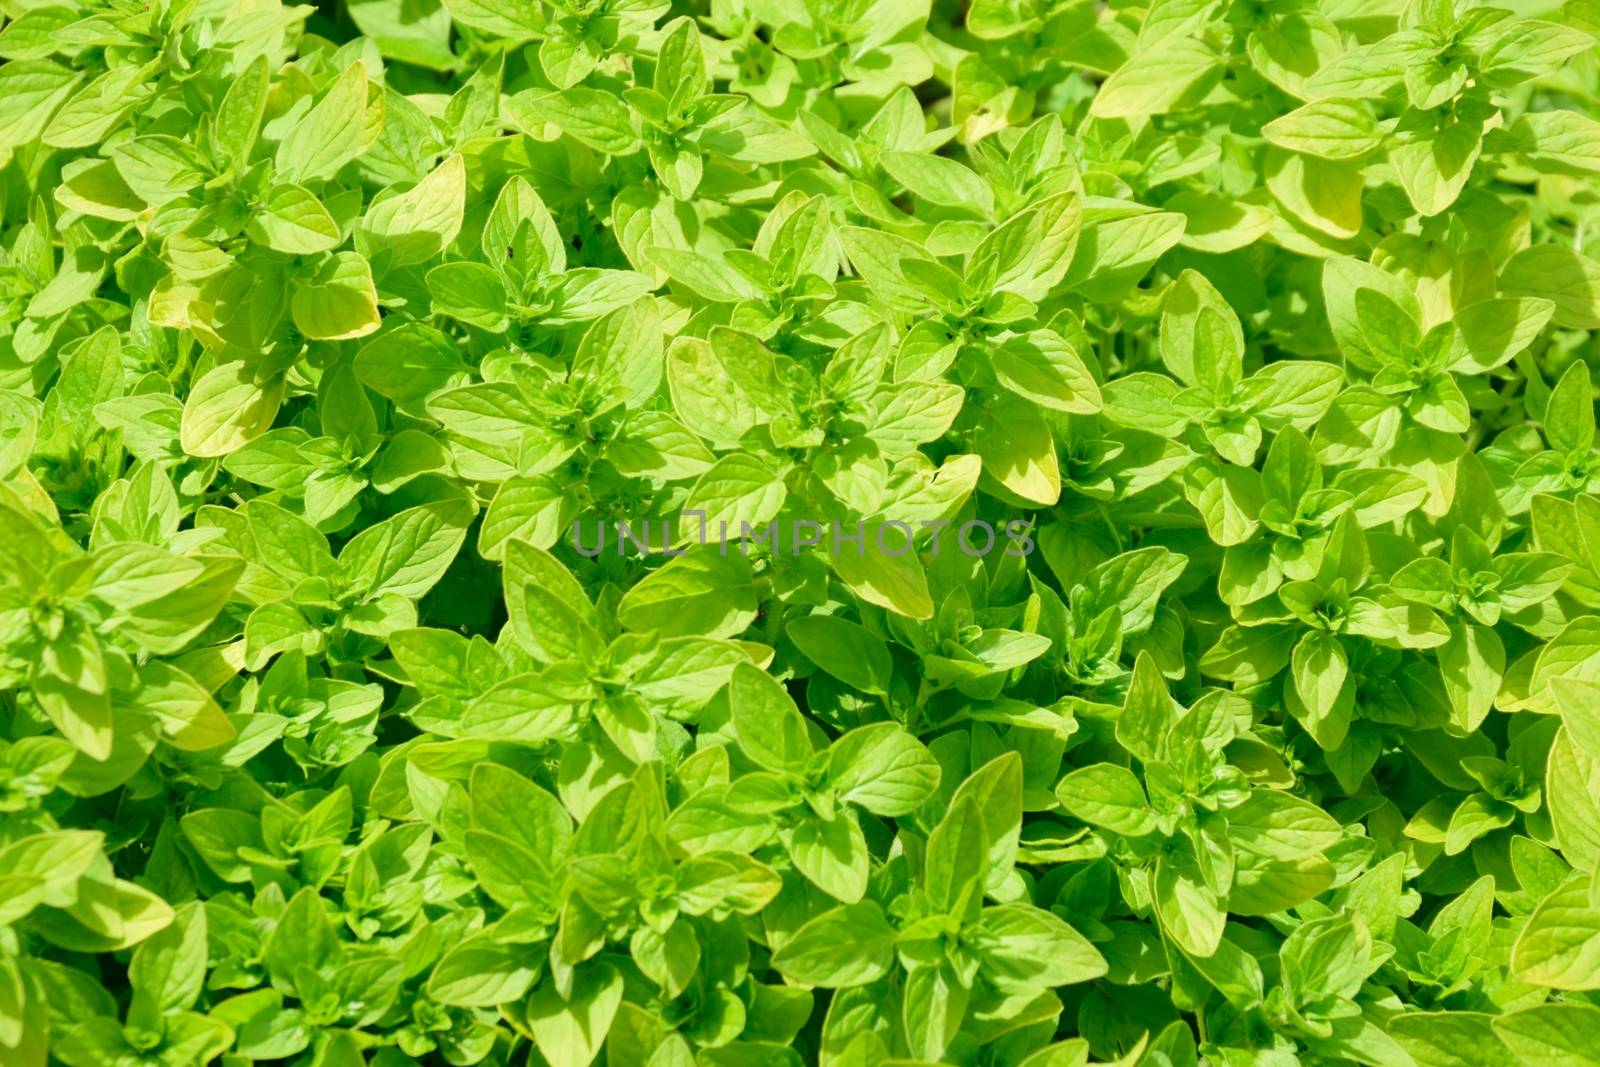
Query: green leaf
x=569, y=1031
x=1326, y=128
x=708, y=592
x=1552, y=1033
x=1029, y=948
x=848, y=946
x=882, y=768
x=1559, y=946
x=1565, y=277
x=1157, y=79
x=290, y=220
x=1569, y=413
x=1190, y=912
x=769, y=727
x=338, y=302
x=407, y=554
x=329, y=134
x=1109, y=796
x=420, y=223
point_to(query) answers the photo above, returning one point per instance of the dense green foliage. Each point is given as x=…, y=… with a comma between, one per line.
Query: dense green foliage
x=382, y=385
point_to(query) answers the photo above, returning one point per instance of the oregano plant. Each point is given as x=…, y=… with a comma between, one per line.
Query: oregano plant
x=835, y=533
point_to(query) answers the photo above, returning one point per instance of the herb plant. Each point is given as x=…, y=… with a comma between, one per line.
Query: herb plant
x=834, y=533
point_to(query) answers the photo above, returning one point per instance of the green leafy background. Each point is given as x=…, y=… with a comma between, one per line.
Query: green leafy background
x=1259, y=334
